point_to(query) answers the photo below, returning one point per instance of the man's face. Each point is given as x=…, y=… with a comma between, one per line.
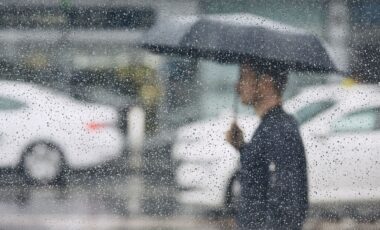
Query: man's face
x=247, y=87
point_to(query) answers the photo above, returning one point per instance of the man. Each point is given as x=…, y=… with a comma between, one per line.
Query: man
x=273, y=164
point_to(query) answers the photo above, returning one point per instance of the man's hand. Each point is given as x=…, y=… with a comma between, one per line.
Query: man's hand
x=234, y=136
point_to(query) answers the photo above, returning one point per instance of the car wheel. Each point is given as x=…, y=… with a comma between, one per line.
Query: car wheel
x=43, y=163
x=232, y=196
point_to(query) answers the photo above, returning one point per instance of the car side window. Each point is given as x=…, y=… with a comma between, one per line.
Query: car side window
x=359, y=121
x=10, y=104
x=311, y=110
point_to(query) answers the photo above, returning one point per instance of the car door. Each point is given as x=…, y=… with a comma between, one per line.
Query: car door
x=344, y=160
x=12, y=113
x=353, y=141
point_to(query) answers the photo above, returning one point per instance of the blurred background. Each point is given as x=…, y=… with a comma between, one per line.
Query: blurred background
x=98, y=134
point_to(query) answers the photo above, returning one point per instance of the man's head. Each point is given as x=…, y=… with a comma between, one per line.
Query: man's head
x=260, y=82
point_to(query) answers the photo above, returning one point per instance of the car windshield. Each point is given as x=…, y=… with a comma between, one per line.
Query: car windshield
x=311, y=110
x=10, y=104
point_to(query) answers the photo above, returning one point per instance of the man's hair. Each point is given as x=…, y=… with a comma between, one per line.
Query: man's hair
x=277, y=71
x=280, y=80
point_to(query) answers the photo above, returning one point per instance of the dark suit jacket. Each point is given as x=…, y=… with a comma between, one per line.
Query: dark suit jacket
x=273, y=178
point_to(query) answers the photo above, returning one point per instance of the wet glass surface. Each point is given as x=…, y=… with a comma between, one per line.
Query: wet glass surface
x=114, y=115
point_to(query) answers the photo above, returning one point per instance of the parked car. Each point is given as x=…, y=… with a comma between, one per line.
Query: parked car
x=42, y=132
x=340, y=128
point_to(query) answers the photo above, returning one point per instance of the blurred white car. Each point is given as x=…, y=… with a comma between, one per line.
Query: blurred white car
x=341, y=132
x=42, y=132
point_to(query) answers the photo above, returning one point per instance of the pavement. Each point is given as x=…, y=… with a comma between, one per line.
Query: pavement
x=103, y=200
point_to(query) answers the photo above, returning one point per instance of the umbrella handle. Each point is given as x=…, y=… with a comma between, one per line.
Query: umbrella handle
x=235, y=107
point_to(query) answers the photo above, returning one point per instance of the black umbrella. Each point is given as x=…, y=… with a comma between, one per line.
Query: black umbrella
x=235, y=37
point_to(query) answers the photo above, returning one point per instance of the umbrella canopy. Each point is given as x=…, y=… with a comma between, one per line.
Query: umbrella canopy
x=235, y=37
